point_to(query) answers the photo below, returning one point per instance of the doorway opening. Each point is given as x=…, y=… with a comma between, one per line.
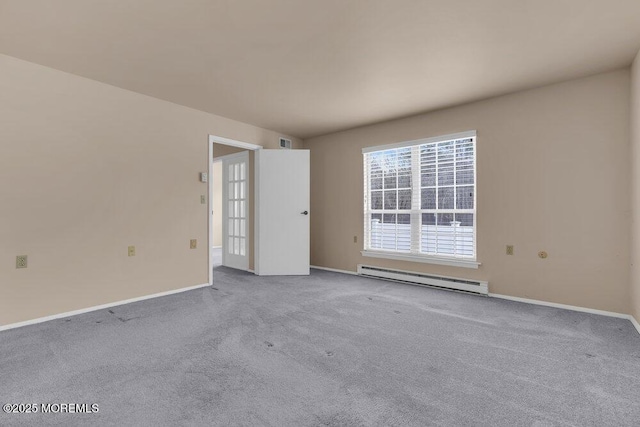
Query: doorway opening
x=230, y=194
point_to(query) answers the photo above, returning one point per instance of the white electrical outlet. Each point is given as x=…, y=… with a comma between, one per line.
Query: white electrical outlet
x=21, y=261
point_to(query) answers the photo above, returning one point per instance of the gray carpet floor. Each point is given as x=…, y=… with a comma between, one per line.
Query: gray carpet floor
x=325, y=350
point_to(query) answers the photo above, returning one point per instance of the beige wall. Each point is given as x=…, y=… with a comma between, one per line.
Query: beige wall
x=87, y=169
x=553, y=175
x=635, y=188
x=220, y=150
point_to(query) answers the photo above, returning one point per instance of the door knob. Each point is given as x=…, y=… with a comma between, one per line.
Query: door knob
x=305, y=213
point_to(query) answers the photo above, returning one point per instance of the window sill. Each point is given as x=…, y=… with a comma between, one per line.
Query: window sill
x=422, y=258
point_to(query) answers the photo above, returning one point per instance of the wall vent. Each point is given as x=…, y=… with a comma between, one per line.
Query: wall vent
x=475, y=286
x=285, y=143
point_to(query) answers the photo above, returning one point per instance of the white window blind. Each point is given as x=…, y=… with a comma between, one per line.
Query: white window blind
x=420, y=197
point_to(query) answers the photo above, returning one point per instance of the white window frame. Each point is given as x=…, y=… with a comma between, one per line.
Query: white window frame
x=415, y=255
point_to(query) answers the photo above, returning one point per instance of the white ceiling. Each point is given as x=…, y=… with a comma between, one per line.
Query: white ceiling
x=309, y=67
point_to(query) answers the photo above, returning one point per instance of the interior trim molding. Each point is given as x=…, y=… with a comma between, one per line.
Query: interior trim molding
x=563, y=306
x=233, y=142
x=335, y=270
x=635, y=323
x=441, y=138
x=97, y=307
x=453, y=262
x=629, y=317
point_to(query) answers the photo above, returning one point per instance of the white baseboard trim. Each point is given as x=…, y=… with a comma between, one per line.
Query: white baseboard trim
x=97, y=307
x=216, y=247
x=531, y=301
x=563, y=306
x=629, y=317
x=335, y=270
x=635, y=323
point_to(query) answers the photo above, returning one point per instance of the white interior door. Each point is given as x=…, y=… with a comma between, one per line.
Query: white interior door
x=282, y=212
x=235, y=209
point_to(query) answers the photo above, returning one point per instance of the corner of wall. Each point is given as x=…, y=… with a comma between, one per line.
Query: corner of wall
x=635, y=190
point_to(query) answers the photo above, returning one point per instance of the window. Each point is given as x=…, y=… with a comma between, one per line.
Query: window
x=420, y=199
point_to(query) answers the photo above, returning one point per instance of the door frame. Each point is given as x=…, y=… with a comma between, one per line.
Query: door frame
x=224, y=141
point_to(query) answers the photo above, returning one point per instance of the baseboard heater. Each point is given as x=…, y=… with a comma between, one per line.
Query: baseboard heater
x=475, y=286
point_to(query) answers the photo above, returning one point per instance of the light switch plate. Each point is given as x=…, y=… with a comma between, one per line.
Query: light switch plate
x=132, y=251
x=193, y=243
x=203, y=199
